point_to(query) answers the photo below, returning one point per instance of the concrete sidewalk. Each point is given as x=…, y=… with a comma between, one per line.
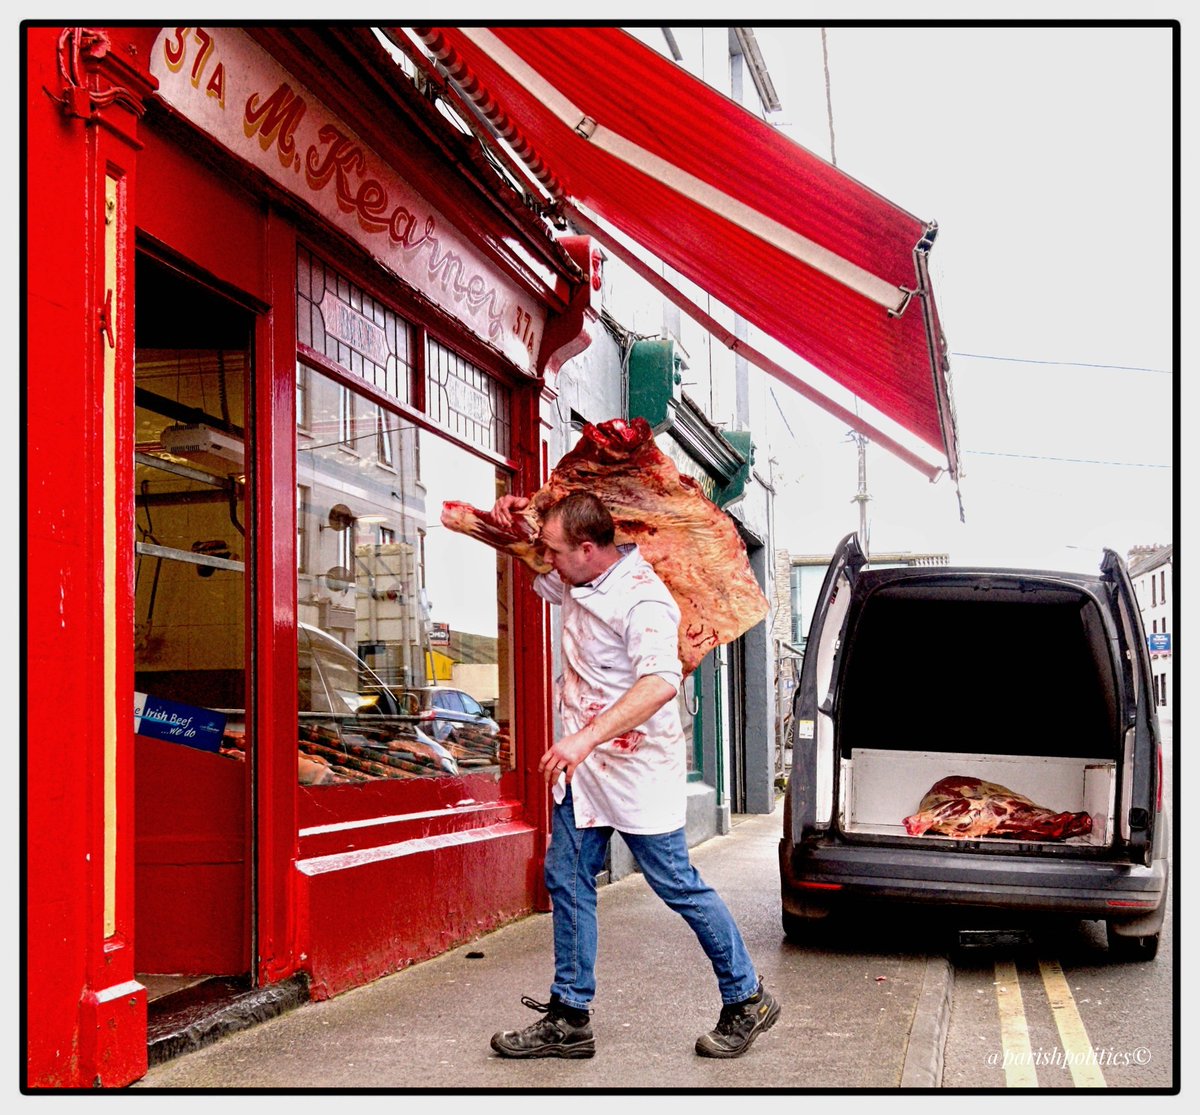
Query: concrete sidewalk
x=846, y=1021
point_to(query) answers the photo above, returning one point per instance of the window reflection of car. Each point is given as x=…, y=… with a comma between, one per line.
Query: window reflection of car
x=442, y=711
x=334, y=679
x=456, y=719
x=350, y=721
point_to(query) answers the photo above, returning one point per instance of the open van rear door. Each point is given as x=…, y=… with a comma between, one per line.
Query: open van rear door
x=810, y=785
x=1139, y=787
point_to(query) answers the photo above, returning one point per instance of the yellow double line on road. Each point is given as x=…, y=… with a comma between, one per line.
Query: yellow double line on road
x=1019, y=1068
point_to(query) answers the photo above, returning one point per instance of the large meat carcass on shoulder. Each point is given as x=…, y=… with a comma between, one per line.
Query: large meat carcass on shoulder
x=691, y=543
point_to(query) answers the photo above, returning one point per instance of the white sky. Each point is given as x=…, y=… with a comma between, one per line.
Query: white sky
x=1045, y=155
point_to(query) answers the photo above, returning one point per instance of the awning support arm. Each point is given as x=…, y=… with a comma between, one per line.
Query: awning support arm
x=741, y=348
x=939, y=364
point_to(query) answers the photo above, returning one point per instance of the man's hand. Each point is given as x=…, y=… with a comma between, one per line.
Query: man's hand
x=566, y=754
x=504, y=507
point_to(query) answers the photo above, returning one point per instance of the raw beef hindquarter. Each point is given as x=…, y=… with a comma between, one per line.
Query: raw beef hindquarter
x=692, y=544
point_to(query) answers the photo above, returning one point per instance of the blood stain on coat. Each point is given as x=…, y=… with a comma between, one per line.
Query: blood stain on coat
x=630, y=741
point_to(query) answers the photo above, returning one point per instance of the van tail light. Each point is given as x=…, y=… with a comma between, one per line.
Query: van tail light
x=1132, y=903
x=819, y=886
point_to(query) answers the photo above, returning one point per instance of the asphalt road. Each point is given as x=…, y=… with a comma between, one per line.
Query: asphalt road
x=1018, y=1022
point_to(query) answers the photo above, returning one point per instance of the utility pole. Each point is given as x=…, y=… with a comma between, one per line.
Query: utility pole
x=862, y=498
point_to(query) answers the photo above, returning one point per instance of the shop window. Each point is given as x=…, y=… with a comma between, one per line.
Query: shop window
x=338, y=319
x=467, y=401
x=689, y=709
x=402, y=625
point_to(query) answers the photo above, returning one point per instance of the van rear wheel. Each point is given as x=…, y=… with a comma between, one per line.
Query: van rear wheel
x=800, y=928
x=1131, y=948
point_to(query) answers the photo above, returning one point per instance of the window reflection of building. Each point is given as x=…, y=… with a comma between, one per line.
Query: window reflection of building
x=302, y=504
x=357, y=588
x=379, y=568
x=302, y=415
x=383, y=438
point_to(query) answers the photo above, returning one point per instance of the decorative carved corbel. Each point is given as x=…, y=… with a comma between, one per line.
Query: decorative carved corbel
x=90, y=72
x=568, y=334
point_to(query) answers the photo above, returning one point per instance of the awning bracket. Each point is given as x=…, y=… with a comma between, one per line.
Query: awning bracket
x=899, y=310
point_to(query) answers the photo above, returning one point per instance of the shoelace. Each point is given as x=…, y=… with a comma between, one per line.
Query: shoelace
x=552, y=1009
x=733, y=1013
x=728, y=1019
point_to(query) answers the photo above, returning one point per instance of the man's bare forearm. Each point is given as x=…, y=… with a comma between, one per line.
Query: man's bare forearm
x=635, y=706
x=639, y=702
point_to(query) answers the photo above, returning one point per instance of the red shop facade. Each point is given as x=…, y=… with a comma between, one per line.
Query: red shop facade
x=276, y=311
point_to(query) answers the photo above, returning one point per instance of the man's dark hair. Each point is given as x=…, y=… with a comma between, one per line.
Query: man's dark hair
x=584, y=519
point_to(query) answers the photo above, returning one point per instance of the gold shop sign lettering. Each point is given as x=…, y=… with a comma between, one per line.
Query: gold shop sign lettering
x=235, y=91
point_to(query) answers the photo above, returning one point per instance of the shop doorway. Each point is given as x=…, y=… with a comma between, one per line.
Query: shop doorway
x=193, y=744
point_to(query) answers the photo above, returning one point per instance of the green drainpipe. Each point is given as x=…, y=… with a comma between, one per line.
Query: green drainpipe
x=696, y=774
x=718, y=735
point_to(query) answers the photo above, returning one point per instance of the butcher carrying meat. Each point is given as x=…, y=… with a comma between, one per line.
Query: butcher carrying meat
x=690, y=543
x=647, y=576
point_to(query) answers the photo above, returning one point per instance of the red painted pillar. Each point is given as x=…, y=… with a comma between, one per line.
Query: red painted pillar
x=277, y=930
x=86, y=1016
x=532, y=663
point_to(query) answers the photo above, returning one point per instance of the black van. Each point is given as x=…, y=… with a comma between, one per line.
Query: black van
x=1033, y=680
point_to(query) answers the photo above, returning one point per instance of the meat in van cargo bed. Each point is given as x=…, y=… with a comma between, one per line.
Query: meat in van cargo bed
x=970, y=807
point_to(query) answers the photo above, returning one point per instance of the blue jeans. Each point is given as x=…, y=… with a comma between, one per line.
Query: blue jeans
x=574, y=859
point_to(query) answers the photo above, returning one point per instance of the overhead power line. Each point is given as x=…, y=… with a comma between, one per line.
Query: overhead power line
x=1063, y=363
x=1063, y=460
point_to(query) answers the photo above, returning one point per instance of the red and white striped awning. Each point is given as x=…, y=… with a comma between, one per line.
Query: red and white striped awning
x=824, y=265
